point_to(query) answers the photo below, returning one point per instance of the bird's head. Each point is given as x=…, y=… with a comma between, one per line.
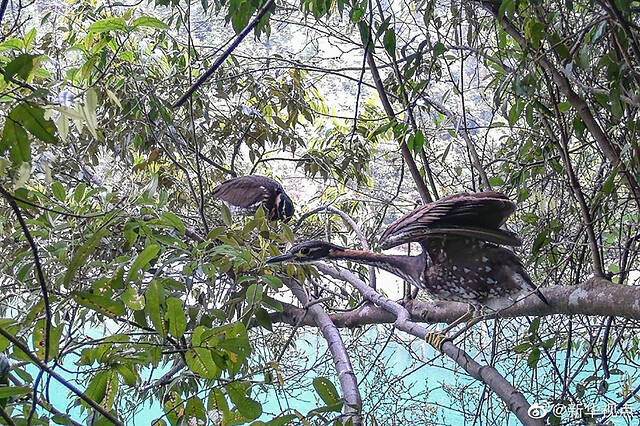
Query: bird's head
x=309, y=251
x=285, y=207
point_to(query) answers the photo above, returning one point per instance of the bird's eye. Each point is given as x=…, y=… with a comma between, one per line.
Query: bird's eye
x=304, y=251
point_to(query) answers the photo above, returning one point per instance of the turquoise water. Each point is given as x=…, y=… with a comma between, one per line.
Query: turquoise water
x=395, y=358
x=409, y=384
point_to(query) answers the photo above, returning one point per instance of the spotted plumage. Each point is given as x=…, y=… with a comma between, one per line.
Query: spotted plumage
x=473, y=271
x=244, y=195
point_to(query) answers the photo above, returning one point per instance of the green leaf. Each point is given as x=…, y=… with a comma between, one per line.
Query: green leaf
x=82, y=253
x=418, y=141
x=128, y=375
x=176, y=317
x=15, y=139
x=12, y=44
x=356, y=14
x=173, y=220
x=200, y=361
x=389, y=42
x=148, y=254
x=262, y=316
x=438, y=49
x=149, y=21
x=272, y=281
x=79, y=192
x=195, y=409
x=38, y=339
x=496, y=181
x=534, y=356
x=154, y=299
x=226, y=214
x=609, y=185
x=29, y=37
x=172, y=406
x=326, y=390
x=521, y=348
x=246, y=406
x=103, y=304
x=132, y=299
x=287, y=233
x=108, y=24
x=217, y=401
x=32, y=119
x=507, y=9
x=58, y=191
x=541, y=240
x=535, y=324
x=21, y=66
x=9, y=391
x=254, y=294
x=364, y=34
x=89, y=111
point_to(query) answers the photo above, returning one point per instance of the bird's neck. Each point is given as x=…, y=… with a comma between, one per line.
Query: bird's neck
x=407, y=267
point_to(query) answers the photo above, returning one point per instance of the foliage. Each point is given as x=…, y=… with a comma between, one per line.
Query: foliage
x=147, y=276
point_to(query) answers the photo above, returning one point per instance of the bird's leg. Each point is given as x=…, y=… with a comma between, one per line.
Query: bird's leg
x=479, y=315
x=437, y=338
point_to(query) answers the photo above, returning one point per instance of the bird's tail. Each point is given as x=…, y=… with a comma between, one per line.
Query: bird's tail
x=527, y=278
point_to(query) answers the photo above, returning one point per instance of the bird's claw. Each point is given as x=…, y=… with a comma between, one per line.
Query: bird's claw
x=436, y=339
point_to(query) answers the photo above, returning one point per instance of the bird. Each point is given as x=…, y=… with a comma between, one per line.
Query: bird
x=460, y=261
x=244, y=194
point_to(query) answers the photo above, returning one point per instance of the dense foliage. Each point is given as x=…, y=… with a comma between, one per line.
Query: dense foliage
x=123, y=276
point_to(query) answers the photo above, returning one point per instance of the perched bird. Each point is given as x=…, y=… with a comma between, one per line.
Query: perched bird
x=244, y=194
x=458, y=263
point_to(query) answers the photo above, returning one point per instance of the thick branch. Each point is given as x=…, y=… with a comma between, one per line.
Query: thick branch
x=342, y=363
x=514, y=399
x=596, y=297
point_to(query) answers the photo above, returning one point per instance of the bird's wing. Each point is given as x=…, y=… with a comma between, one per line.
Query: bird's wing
x=476, y=215
x=245, y=191
x=482, y=209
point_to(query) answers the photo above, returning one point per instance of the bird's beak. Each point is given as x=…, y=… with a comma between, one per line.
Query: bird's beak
x=280, y=258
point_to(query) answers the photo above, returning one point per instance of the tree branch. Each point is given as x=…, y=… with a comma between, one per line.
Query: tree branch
x=39, y=273
x=250, y=26
x=42, y=366
x=342, y=363
x=596, y=297
x=514, y=399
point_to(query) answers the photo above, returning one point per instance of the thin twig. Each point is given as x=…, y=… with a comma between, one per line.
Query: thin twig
x=60, y=379
x=250, y=26
x=39, y=273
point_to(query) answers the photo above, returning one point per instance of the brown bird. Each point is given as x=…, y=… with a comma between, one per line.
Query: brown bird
x=458, y=262
x=244, y=194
